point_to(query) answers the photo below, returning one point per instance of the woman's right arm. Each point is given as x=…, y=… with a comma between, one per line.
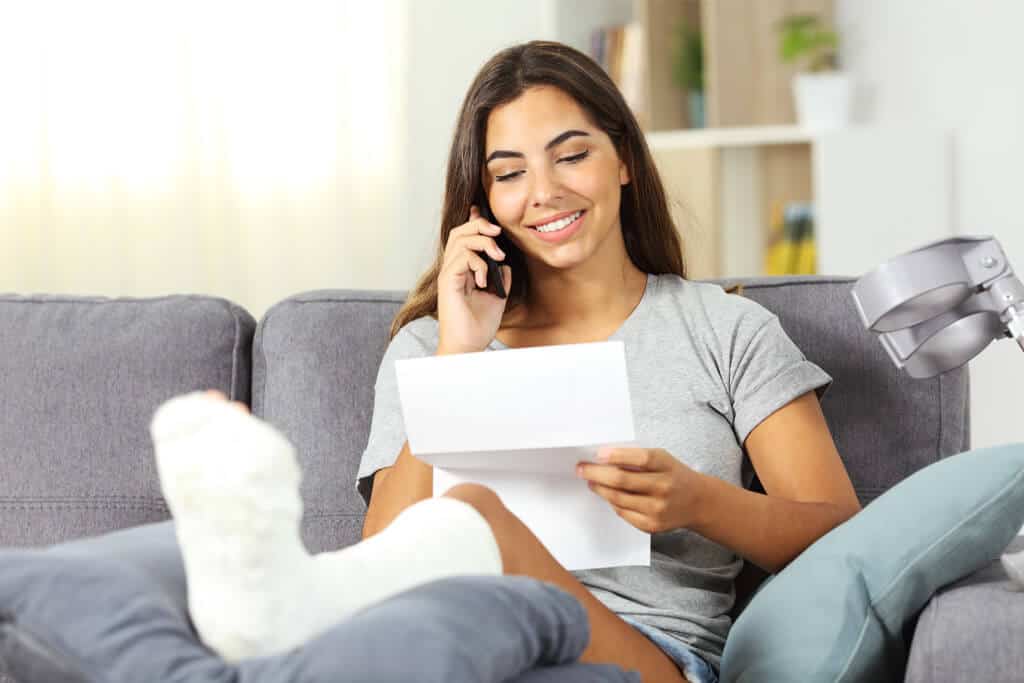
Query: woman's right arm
x=468, y=320
x=397, y=487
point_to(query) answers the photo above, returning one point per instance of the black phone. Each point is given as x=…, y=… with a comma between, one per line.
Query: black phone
x=494, y=283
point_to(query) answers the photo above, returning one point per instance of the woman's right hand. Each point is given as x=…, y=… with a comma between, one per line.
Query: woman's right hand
x=469, y=317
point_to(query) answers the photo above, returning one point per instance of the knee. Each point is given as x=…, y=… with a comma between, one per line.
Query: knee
x=483, y=499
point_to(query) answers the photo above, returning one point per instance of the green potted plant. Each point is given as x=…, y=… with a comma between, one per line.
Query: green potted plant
x=688, y=70
x=821, y=90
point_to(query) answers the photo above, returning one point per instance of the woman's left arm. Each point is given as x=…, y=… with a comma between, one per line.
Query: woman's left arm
x=807, y=489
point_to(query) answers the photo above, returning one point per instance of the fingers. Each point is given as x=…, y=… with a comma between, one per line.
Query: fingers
x=475, y=224
x=649, y=459
x=483, y=243
x=479, y=268
x=465, y=247
x=221, y=396
x=645, y=512
x=623, y=499
x=615, y=477
x=477, y=234
x=640, y=520
x=470, y=244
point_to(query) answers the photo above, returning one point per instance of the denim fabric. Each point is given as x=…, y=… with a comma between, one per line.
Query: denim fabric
x=693, y=666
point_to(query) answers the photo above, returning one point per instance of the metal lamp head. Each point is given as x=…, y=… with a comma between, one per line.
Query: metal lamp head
x=937, y=307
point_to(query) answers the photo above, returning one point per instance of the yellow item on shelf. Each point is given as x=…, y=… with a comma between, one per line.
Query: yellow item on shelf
x=777, y=253
x=805, y=261
x=791, y=249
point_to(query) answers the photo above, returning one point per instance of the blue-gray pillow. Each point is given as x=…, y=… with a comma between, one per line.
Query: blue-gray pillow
x=113, y=609
x=841, y=611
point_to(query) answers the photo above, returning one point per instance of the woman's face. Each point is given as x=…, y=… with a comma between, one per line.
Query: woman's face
x=548, y=166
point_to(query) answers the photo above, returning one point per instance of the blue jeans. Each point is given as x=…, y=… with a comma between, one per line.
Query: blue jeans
x=693, y=666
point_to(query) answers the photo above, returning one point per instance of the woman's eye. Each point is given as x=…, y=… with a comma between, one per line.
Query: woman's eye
x=569, y=160
x=576, y=157
x=507, y=176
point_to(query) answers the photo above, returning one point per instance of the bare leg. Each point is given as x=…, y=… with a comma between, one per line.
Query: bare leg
x=612, y=641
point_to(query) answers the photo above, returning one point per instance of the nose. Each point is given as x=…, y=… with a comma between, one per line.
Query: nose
x=544, y=188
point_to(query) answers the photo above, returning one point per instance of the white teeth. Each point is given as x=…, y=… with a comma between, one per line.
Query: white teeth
x=559, y=224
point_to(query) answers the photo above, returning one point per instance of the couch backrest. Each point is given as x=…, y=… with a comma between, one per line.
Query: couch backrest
x=80, y=378
x=316, y=355
x=315, y=360
x=886, y=424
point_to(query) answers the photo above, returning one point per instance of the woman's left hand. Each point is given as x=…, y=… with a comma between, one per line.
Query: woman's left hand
x=647, y=487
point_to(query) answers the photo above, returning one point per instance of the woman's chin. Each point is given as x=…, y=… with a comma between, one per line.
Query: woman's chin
x=567, y=261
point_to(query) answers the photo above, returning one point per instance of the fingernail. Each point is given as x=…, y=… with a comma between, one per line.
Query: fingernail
x=579, y=470
x=602, y=456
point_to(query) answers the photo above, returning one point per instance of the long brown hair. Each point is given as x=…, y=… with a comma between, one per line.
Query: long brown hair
x=651, y=238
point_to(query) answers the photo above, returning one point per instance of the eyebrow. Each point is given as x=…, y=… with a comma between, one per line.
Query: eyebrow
x=559, y=139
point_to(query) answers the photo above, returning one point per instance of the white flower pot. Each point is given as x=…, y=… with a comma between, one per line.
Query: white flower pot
x=823, y=99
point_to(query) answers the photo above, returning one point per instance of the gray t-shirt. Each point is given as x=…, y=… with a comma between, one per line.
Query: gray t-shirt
x=705, y=367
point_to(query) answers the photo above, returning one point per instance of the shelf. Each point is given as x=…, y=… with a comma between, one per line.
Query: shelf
x=745, y=136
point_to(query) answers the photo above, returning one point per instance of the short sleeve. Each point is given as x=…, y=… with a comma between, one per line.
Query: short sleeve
x=387, y=429
x=769, y=372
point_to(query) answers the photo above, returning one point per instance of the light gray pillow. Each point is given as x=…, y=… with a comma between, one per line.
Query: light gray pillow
x=113, y=608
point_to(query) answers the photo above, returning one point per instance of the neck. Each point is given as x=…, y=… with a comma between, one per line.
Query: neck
x=585, y=296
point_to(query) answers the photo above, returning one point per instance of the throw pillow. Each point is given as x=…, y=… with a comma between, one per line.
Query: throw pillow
x=843, y=609
x=113, y=608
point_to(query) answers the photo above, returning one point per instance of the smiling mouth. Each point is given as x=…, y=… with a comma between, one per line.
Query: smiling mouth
x=560, y=224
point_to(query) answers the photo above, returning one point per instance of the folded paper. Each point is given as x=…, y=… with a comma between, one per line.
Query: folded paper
x=518, y=421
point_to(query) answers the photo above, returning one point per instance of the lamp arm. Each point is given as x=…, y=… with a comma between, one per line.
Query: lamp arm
x=1014, y=319
x=1007, y=296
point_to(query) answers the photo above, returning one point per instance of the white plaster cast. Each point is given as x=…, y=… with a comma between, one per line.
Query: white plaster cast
x=231, y=481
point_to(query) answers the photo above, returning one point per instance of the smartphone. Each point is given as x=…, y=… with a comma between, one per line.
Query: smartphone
x=494, y=283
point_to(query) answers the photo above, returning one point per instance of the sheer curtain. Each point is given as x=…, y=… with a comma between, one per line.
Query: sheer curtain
x=247, y=150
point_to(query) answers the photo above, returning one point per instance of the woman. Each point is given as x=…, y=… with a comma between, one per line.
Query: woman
x=550, y=176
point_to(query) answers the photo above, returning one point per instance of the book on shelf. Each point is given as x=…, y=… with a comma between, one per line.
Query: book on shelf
x=791, y=247
x=621, y=52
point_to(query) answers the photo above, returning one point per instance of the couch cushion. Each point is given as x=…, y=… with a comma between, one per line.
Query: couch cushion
x=113, y=608
x=315, y=359
x=81, y=377
x=971, y=630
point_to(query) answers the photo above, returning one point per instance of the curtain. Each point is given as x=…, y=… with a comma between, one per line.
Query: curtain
x=241, y=149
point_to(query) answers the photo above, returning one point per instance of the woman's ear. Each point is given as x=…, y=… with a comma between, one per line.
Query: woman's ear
x=623, y=174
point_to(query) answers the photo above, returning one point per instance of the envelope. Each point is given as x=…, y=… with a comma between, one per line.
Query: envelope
x=518, y=421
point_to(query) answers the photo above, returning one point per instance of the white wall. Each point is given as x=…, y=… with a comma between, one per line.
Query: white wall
x=956, y=64
x=447, y=43
x=206, y=162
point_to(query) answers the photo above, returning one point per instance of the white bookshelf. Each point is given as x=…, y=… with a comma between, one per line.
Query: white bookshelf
x=877, y=191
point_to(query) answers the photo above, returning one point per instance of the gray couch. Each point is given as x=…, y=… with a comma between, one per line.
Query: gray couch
x=81, y=376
